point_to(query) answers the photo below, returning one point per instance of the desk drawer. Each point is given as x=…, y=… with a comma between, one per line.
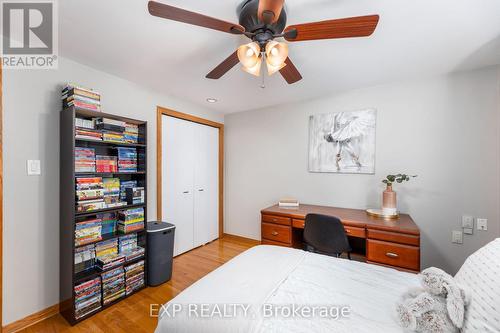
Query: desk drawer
x=394, y=237
x=355, y=231
x=393, y=254
x=277, y=219
x=277, y=233
x=299, y=224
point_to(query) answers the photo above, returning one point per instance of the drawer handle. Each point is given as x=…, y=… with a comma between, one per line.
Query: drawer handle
x=348, y=231
x=274, y=220
x=391, y=255
x=274, y=233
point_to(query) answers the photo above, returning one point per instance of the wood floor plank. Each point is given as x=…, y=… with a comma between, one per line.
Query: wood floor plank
x=132, y=314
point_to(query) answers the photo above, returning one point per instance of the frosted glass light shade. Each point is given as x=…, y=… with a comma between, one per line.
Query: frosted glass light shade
x=276, y=53
x=249, y=54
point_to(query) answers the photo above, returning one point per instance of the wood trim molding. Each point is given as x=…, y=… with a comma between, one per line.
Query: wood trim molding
x=31, y=319
x=167, y=112
x=242, y=239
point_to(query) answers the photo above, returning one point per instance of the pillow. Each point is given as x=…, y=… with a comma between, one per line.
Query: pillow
x=480, y=274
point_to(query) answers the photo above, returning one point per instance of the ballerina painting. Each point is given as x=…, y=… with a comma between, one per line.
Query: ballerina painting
x=342, y=142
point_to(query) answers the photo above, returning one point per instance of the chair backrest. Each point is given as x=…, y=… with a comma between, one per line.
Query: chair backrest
x=326, y=234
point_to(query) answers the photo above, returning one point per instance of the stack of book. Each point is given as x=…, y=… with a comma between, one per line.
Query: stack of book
x=112, y=130
x=112, y=193
x=133, y=254
x=87, y=297
x=113, y=285
x=81, y=98
x=88, y=232
x=87, y=134
x=131, y=134
x=288, y=202
x=106, y=247
x=127, y=243
x=84, y=258
x=108, y=223
x=123, y=188
x=114, y=137
x=109, y=261
x=106, y=164
x=131, y=220
x=84, y=159
x=91, y=190
x=134, y=275
x=127, y=159
x=135, y=195
x=84, y=123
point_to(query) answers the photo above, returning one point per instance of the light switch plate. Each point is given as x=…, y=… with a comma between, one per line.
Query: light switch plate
x=457, y=237
x=482, y=224
x=33, y=167
x=467, y=221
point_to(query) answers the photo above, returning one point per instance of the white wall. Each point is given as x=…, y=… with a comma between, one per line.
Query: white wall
x=444, y=129
x=31, y=204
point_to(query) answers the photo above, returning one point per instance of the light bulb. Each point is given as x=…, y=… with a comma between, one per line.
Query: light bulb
x=248, y=54
x=276, y=53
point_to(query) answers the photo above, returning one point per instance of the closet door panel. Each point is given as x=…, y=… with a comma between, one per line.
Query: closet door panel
x=178, y=157
x=206, y=181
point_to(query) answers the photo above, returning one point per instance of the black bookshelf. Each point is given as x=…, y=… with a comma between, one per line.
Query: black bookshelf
x=69, y=216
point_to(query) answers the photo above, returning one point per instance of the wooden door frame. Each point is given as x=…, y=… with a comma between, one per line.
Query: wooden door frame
x=161, y=111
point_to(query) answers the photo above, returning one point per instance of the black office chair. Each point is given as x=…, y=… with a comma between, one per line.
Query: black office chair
x=326, y=235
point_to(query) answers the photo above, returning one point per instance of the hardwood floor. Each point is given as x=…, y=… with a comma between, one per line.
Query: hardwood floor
x=132, y=314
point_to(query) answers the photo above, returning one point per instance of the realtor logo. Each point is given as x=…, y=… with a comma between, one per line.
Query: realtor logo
x=29, y=32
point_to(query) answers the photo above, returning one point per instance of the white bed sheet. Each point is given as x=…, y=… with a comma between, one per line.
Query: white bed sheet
x=281, y=276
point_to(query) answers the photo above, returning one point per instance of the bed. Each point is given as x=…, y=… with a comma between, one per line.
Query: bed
x=271, y=281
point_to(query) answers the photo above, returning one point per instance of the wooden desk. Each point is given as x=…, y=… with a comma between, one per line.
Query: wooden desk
x=394, y=243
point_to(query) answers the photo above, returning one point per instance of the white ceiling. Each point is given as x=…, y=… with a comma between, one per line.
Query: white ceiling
x=413, y=39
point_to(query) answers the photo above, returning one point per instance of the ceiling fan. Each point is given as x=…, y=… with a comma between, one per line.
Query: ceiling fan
x=263, y=21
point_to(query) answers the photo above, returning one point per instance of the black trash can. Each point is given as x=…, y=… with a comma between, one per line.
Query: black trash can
x=160, y=252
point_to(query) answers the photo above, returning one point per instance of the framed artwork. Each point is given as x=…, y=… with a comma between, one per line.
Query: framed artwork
x=343, y=142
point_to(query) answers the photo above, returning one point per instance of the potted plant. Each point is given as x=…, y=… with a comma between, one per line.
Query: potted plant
x=389, y=203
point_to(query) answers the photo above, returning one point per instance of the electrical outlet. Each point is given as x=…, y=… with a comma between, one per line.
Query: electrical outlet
x=467, y=221
x=482, y=224
x=33, y=167
x=457, y=237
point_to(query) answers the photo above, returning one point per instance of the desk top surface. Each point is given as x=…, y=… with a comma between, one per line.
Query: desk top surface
x=349, y=216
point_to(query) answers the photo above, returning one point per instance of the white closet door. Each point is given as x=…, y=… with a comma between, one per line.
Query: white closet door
x=206, y=185
x=178, y=154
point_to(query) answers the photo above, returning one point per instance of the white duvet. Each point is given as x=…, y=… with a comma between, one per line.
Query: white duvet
x=251, y=292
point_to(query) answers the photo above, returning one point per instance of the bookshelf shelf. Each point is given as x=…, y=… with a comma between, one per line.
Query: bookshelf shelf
x=109, y=143
x=95, y=272
x=98, y=174
x=69, y=216
x=109, y=236
x=108, y=210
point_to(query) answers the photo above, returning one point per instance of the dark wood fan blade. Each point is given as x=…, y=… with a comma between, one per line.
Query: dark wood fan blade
x=361, y=26
x=181, y=15
x=224, y=67
x=270, y=10
x=290, y=72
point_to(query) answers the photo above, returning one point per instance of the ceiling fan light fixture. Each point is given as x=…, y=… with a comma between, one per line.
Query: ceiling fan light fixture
x=249, y=54
x=276, y=53
x=271, y=69
x=255, y=70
